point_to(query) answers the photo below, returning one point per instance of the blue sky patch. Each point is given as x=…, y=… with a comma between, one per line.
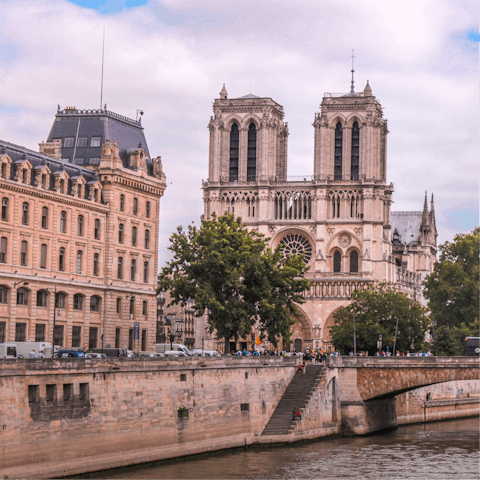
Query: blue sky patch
x=109, y=6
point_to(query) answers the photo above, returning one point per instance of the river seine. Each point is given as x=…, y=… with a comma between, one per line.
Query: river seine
x=441, y=450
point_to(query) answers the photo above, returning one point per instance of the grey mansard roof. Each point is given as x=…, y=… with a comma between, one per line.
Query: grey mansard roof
x=100, y=123
x=19, y=154
x=407, y=225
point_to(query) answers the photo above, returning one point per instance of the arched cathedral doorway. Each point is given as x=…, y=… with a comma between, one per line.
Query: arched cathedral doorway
x=301, y=334
x=327, y=336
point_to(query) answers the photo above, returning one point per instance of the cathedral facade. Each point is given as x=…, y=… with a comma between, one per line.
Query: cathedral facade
x=340, y=217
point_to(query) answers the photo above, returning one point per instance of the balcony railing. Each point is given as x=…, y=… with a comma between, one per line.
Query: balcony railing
x=335, y=275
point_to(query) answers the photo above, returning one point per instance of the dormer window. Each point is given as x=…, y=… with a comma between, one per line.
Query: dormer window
x=69, y=142
x=96, y=141
x=25, y=175
x=82, y=142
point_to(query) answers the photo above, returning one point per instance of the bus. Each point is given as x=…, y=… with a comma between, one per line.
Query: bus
x=472, y=348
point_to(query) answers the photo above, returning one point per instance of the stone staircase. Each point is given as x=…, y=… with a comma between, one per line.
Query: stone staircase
x=296, y=396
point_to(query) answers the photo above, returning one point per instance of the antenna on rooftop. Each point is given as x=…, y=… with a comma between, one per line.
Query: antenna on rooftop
x=250, y=84
x=103, y=57
x=352, y=89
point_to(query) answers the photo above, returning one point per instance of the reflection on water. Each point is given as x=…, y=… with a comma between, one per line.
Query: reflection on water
x=443, y=450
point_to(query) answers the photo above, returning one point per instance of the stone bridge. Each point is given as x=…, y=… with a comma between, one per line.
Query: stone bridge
x=366, y=386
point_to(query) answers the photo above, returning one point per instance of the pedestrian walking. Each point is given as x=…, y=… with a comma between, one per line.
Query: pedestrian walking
x=32, y=354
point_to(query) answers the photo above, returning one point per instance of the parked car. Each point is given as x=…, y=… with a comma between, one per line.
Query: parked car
x=109, y=352
x=95, y=355
x=70, y=353
x=150, y=354
x=175, y=353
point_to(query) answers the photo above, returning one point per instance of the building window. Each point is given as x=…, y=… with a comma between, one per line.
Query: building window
x=117, y=337
x=58, y=335
x=337, y=261
x=147, y=209
x=355, y=151
x=119, y=306
x=79, y=261
x=25, y=213
x=133, y=268
x=80, y=225
x=20, y=332
x=338, y=151
x=92, y=337
x=145, y=272
x=95, y=303
x=3, y=295
x=94, y=161
x=61, y=259
x=147, y=239
x=134, y=236
x=4, y=171
x=69, y=142
x=44, y=217
x=95, y=141
x=144, y=340
x=3, y=250
x=120, y=268
x=23, y=253
x=43, y=256
x=135, y=206
x=2, y=332
x=39, y=333
x=132, y=306
x=60, y=300
x=122, y=202
x=25, y=175
x=354, y=262
x=144, y=308
x=63, y=221
x=120, y=233
x=96, y=231
x=82, y=142
x=252, y=154
x=33, y=393
x=79, y=161
x=4, y=209
x=95, y=264
x=76, y=336
x=42, y=298
x=22, y=297
x=78, y=301
x=51, y=393
x=234, y=142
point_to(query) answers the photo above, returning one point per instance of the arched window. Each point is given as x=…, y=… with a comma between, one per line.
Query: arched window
x=96, y=230
x=135, y=206
x=147, y=209
x=95, y=264
x=63, y=221
x=3, y=250
x=134, y=236
x=3, y=294
x=42, y=298
x=25, y=213
x=355, y=151
x=61, y=259
x=4, y=209
x=122, y=202
x=338, y=151
x=23, y=253
x=147, y=239
x=133, y=269
x=119, y=305
x=79, y=261
x=120, y=233
x=80, y=225
x=234, y=142
x=44, y=217
x=95, y=303
x=354, y=262
x=78, y=301
x=120, y=268
x=145, y=272
x=252, y=153
x=60, y=300
x=22, y=296
x=337, y=261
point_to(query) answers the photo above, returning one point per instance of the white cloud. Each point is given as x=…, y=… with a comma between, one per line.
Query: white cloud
x=170, y=59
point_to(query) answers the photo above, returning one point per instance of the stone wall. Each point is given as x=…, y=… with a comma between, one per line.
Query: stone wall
x=67, y=416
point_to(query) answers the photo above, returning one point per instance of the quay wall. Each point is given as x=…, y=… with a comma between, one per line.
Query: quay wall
x=69, y=416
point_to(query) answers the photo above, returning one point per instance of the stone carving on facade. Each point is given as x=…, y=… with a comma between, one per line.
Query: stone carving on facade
x=366, y=255
x=75, y=189
x=57, y=184
x=272, y=229
x=313, y=229
x=157, y=167
x=110, y=150
x=38, y=178
x=344, y=240
x=330, y=231
x=264, y=121
x=358, y=231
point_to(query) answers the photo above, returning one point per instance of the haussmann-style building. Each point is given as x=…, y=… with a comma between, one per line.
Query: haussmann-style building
x=79, y=234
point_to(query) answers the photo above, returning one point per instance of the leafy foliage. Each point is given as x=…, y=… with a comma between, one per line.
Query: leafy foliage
x=452, y=288
x=232, y=275
x=376, y=310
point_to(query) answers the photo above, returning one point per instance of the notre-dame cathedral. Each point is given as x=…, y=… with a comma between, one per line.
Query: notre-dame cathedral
x=340, y=218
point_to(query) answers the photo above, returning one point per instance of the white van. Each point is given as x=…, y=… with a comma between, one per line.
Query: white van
x=8, y=350
x=23, y=349
x=166, y=347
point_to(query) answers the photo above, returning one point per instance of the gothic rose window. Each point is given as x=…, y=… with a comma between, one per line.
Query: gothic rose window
x=295, y=244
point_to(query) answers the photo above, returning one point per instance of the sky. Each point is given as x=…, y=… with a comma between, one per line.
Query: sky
x=170, y=59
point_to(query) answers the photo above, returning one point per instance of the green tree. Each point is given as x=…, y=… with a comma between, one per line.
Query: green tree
x=452, y=287
x=376, y=310
x=232, y=275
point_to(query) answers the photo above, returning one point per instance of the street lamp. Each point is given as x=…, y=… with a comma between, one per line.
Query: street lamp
x=354, y=338
x=54, y=318
x=18, y=283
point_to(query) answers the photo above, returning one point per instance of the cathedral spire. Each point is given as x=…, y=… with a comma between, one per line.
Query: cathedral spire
x=367, y=91
x=352, y=88
x=223, y=93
